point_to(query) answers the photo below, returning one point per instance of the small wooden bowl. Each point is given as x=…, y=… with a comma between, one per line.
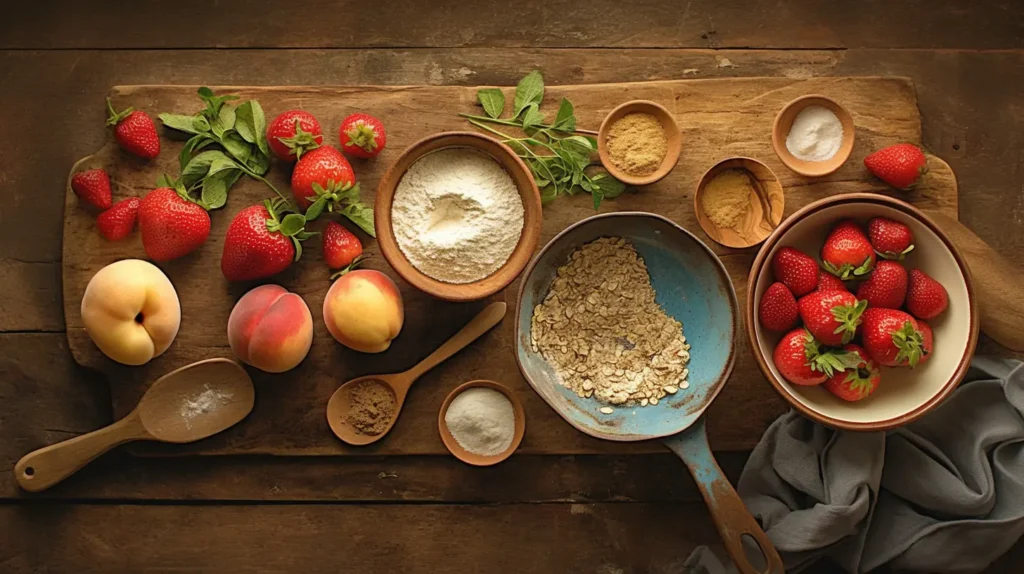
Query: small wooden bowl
x=531, y=218
x=453, y=445
x=765, y=212
x=668, y=123
x=784, y=121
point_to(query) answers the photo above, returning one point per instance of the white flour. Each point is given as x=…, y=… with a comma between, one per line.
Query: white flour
x=816, y=134
x=203, y=403
x=457, y=215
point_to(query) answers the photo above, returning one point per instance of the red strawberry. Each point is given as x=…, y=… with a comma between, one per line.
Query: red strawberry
x=892, y=337
x=899, y=165
x=778, y=310
x=134, y=131
x=341, y=247
x=886, y=286
x=831, y=316
x=93, y=187
x=847, y=253
x=117, y=222
x=858, y=382
x=362, y=135
x=829, y=282
x=322, y=172
x=890, y=239
x=260, y=242
x=796, y=269
x=801, y=360
x=927, y=341
x=293, y=133
x=926, y=297
x=172, y=225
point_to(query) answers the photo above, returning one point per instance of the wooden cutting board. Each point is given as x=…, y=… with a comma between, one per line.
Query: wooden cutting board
x=720, y=118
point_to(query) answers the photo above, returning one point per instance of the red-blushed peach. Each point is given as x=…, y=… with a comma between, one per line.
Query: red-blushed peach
x=270, y=329
x=363, y=310
x=131, y=311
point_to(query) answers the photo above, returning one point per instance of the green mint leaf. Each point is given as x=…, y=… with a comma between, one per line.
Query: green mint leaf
x=205, y=92
x=548, y=194
x=179, y=122
x=238, y=148
x=529, y=91
x=224, y=121
x=493, y=101
x=200, y=124
x=592, y=141
x=259, y=123
x=194, y=143
x=565, y=121
x=362, y=216
x=292, y=224
x=198, y=167
x=532, y=117
x=215, y=192
x=610, y=187
x=598, y=196
x=220, y=164
x=244, y=123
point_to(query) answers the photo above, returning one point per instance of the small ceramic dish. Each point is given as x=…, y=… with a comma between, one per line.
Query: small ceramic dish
x=783, y=123
x=672, y=133
x=527, y=241
x=904, y=394
x=453, y=445
x=766, y=204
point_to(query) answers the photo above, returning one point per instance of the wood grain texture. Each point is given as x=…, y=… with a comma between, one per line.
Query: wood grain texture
x=720, y=118
x=554, y=23
x=598, y=538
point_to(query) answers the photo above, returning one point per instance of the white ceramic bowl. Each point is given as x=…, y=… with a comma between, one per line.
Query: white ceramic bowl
x=903, y=394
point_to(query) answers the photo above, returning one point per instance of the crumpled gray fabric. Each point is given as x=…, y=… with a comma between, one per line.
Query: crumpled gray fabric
x=942, y=494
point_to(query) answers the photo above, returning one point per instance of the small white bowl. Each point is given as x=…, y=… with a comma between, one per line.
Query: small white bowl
x=904, y=394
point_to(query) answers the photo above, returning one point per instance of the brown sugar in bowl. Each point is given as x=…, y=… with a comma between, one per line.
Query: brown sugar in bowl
x=765, y=212
x=528, y=240
x=672, y=134
x=784, y=121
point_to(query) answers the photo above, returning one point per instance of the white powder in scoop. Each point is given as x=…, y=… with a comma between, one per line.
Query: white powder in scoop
x=457, y=215
x=203, y=403
x=482, y=421
x=816, y=134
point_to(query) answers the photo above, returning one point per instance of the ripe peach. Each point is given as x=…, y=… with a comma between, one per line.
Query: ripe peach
x=270, y=329
x=131, y=311
x=363, y=310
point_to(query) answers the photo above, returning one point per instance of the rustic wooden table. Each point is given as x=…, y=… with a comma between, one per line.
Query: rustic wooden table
x=416, y=514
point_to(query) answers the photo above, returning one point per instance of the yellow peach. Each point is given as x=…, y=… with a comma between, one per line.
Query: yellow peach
x=131, y=311
x=363, y=310
x=270, y=329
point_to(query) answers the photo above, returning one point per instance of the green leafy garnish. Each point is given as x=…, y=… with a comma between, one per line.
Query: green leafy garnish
x=559, y=159
x=240, y=133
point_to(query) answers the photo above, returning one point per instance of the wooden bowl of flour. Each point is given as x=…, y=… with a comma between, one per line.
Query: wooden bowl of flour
x=446, y=289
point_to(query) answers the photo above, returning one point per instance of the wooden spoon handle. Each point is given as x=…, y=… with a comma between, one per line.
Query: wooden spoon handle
x=997, y=284
x=483, y=322
x=43, y=468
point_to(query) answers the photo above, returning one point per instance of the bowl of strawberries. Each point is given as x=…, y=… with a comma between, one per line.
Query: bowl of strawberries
x=860, y=312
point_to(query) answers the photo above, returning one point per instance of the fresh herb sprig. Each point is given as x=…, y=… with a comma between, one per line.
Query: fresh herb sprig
x=557, y=156
x=239, y=131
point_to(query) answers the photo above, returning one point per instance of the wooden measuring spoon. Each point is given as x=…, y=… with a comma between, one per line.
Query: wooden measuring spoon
x=191, y=403
x=399, y=383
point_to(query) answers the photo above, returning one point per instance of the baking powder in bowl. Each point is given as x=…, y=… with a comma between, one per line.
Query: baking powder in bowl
x=457, y=215
x=816, y=134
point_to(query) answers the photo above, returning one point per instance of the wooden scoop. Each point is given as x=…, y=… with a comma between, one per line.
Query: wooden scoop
x=191, y=403
x=398, y=384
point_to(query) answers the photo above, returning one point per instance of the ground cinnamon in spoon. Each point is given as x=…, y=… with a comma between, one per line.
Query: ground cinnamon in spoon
x=371, y=406
x=637, y=144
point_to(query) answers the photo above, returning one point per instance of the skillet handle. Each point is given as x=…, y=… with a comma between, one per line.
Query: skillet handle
x=731, y=516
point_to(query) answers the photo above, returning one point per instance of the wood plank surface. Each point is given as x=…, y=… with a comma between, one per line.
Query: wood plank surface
x=551, y=24
x=720, y=118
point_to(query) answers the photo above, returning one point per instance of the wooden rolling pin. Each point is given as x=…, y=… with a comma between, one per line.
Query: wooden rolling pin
x=997, y=284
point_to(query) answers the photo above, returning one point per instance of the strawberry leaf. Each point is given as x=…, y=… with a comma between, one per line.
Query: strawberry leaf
x=316, y=208
x=292, y=224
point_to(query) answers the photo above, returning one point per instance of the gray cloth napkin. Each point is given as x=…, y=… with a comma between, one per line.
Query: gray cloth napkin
x=942, y=494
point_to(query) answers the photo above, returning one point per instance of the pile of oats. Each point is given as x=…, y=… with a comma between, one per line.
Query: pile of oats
x=604, y=334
